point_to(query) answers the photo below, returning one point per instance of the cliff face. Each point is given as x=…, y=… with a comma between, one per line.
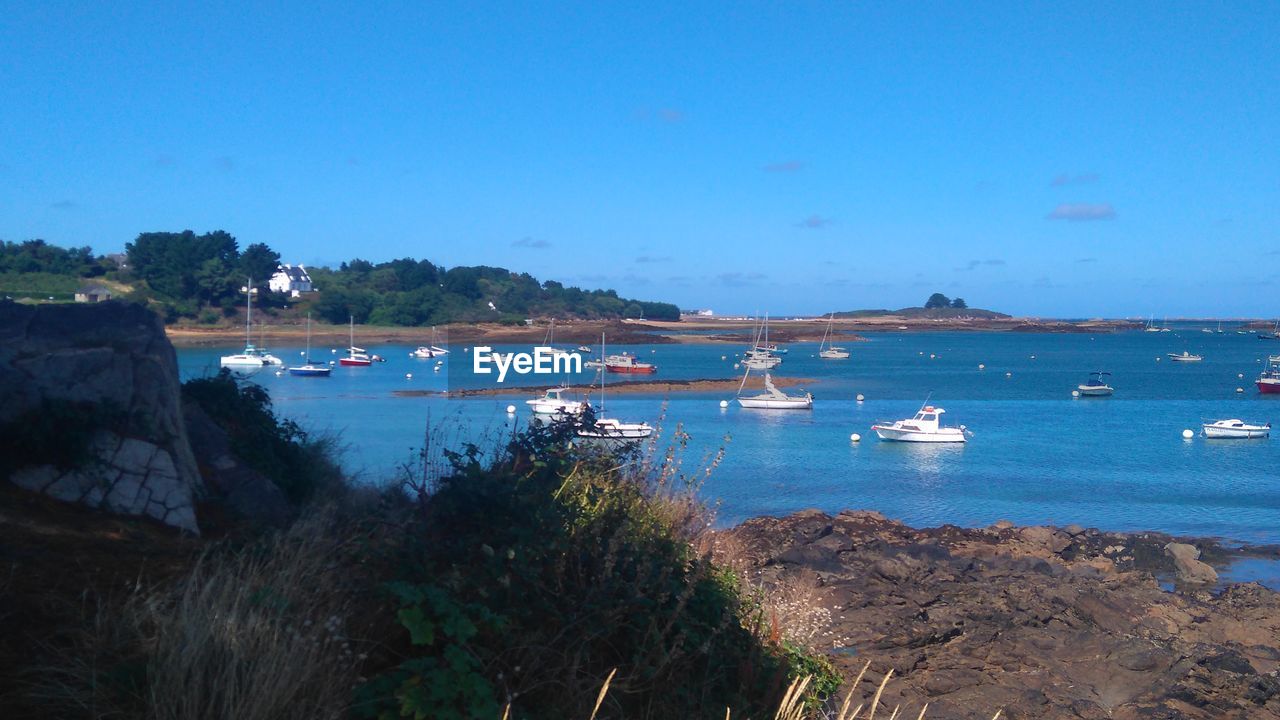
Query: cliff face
x=91, y=412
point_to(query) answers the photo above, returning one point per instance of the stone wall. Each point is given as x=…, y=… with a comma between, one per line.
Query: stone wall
x=110, y=355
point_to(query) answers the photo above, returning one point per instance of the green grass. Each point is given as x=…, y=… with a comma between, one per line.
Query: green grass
x=39, y=285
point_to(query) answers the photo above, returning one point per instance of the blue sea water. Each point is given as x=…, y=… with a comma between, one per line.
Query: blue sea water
x=1037, y=454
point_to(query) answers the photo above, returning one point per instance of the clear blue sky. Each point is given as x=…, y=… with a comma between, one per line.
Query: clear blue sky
x=1068, y=159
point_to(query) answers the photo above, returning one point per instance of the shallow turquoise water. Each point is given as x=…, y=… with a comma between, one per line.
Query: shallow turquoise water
x=1037, y=455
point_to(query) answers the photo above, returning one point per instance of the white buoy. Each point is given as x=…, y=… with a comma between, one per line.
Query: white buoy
x=932, y=356
x=921, y=352
x=1033, y=357
x=279, y=373
x=861, y=397
x=1187, y=434
x=408, y=376
x=511, y=409
x=1008, y=374
x=855, y=437
x=724, y=403
x=735, y=366
x=332, y=363
x=981, y=366
x=1239, y=375
x=333, y=351
x=302, y=353
x=1075, y=393
x=1239, y=390
x=437, y=368
x=724, y=357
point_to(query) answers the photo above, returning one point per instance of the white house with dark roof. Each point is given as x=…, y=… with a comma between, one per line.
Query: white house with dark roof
x=291, y=279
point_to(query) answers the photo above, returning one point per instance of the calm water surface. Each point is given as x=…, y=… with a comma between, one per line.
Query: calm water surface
x=1037, y=455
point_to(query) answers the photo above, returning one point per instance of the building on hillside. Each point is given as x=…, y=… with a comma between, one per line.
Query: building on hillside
x=291, y=279
x=93, y=294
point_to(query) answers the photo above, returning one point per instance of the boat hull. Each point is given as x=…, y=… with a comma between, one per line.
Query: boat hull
x=241, y=361
x=833, y=354
x=1269, y=386
x=1086, y=391
x=631, y=369
x=944, y=435
x=1235, y=433
x=310, y=371
x=355, y=362
x=776, y=403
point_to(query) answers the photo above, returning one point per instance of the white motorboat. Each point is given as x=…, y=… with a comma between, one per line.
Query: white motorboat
x=831, y=352
x=774, y=399
x=1184, y=357
x=554, y=402
x=585, y=349
x=1095, y=386
x=615, y=431
x=923, y=428
x=1235, y=429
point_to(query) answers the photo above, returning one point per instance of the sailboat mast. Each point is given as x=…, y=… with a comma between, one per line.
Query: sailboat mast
x=248, y=312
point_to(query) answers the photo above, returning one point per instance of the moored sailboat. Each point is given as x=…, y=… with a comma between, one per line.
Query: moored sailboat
x=830, y=352
x=310, y=368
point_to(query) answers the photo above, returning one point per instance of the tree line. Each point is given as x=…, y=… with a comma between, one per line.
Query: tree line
x=202, y=276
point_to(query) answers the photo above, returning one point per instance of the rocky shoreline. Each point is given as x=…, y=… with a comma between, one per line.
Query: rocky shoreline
x=1038, y=622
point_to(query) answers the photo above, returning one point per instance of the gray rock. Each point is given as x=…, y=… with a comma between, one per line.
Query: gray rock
x=112, y=356
x=1186, y=561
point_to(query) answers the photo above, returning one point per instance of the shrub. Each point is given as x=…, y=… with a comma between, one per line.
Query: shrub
x=527, y=578
x=279, y=449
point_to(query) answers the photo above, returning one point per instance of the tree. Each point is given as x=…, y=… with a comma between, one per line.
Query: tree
x=259, y=262
x=937, y=300
x=959, y=304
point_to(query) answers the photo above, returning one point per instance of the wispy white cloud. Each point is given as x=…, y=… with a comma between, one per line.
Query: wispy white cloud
x=1087, y=260
x=528, y=242
x=670, y=115
x=739, y=279
x=814, y=222
x=975, y=264
x=645, y=259
x=1065, y=179
x=1082, y=212
x=786, y=166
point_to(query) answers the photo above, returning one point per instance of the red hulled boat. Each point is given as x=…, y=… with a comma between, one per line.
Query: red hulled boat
x=1269, y=380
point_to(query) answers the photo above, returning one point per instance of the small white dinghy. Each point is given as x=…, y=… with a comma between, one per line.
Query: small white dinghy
x=1235, y=429
x=923, y=428
x=1184, y=357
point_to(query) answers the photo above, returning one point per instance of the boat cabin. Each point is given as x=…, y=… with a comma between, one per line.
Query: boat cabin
x=928, y=417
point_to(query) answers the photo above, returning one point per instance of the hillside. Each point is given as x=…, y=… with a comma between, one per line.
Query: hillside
x=923, y=313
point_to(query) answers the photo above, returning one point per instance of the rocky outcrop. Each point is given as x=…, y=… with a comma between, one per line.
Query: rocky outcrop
x=1036, y=622
x=1186, y=561
x=245, y=492
x=108, y=377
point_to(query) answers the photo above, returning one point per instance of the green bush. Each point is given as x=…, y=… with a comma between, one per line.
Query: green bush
x=528, y=578
x=279, y=449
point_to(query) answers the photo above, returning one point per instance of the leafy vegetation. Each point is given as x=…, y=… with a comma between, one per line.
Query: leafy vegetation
x=416, y=292
x=296, y=462
x=524, y=581
x=38, y=256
